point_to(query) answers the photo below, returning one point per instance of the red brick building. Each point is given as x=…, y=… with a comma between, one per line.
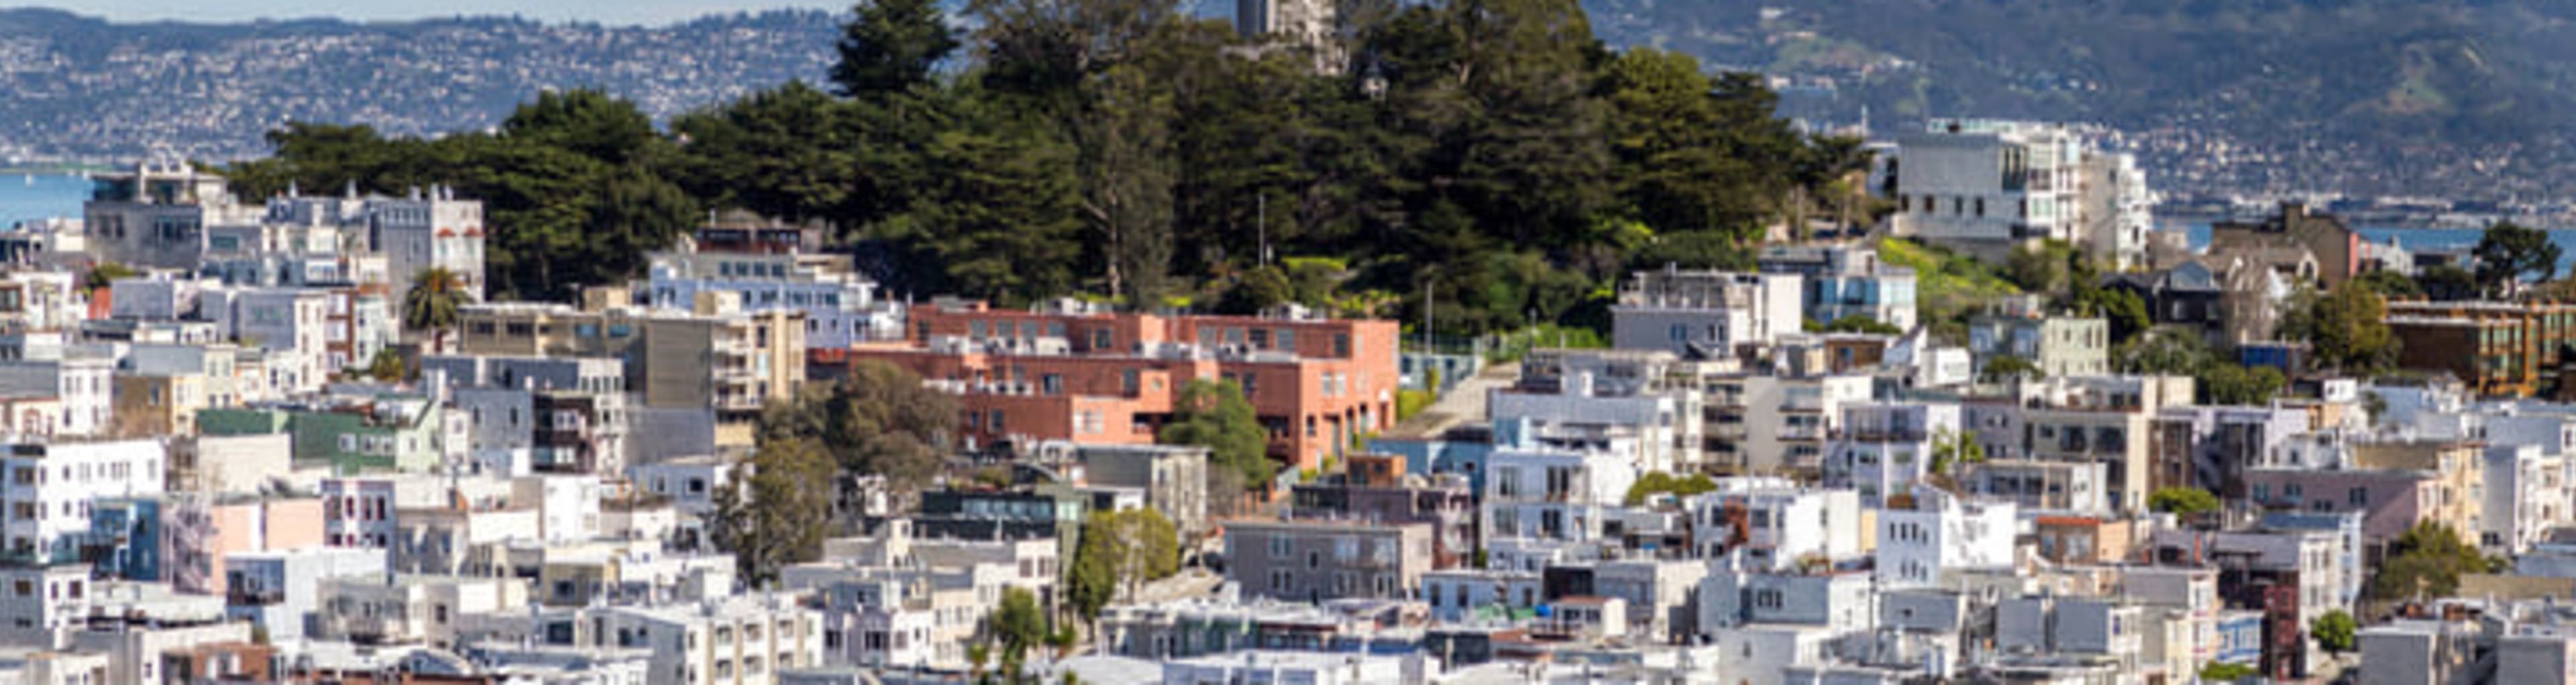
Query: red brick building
x=1094, y=376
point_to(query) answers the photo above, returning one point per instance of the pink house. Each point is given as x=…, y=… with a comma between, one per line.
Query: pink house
x=244, y=525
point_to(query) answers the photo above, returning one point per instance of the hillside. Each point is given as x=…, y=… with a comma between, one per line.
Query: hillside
x=81, y=86
x=2374, y=96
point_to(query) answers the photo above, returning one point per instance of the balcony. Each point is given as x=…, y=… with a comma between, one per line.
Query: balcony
x=254, y=598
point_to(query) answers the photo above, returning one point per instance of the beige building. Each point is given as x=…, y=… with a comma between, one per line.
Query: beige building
x=2102, y=419
x=158, y=404
x=714, y=355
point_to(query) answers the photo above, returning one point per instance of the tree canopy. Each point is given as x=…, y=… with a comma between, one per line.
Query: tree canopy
x=1488, y=155
x=2510, y=251
x=2426, y=561
x=1214, y=415
x=2185, y=501
x=1120, y=551
x=2346, y=327
x=879, y=420
x=778, y=509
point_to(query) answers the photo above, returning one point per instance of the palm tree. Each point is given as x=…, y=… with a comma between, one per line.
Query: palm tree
x=434, y=304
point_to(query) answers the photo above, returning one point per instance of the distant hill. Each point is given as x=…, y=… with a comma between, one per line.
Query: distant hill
x=79, y=86
x=2369, y=96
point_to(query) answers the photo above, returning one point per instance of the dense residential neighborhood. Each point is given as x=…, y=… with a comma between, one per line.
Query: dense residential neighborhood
x=987, y=376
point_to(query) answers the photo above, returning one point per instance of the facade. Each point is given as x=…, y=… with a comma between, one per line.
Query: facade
x=1312, y=561
x=2497, y=348
x=2394, y=485
x=2334, y=247
x=1843, y=280
x=715, y=355
x=2058, y=345
x=1987, y=187
x=1073, y=373
x=1882, y=449
x=1942, y=534
x=772, y=267
x=52, y=488
x=1706, y=314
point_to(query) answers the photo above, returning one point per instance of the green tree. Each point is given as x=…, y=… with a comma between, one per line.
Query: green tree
x=790, y=152
x=1120, y=551
x=2221, y=672
x=2336, y=631
x=2165, y=351
x=1214, y=415
x=2043, y=268
x=1001, y=222
x=1129, y=175
x=2005, y=366
x=2183, y=501
x=2510, y=251
x=2122, y=310
x=105, y=275
x=1952, y=448
x=434, y=304
x=1680, y=137
x=2447, y=282
x=1861, y=323
x=892, y=46
x=2427, y=561
x=1658, y=482
x=587, y=122
x=2345, y=327
x=778, y=509
x=878, y=419
x=2228, y=384
x=2390, y=284
x=386, y=367
x=1017, y=624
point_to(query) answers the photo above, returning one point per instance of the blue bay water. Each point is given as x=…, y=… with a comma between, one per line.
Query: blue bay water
x=43, y=196
x=2417, y=239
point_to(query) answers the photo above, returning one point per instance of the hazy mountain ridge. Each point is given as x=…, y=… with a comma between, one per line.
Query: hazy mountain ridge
x=82, y=86
x=2373, y=96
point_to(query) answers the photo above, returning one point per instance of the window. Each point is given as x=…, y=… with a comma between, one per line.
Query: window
x=1280, y=548
x=2359, y=496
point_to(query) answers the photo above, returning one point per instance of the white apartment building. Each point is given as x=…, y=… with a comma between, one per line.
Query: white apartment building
x=409, y=609
x=362, y=511
x=1774, y=524
x=46, y=499
x=841, y=306
x=277, y=589
x=2527, y=494
x=1705, y=314
x=1940, y=534
x=1269, y=666
x=292, y=325
x=1555, y=494
x=1660, y=430
x=426, y=230
x=1883, y=448
x=1989, y=186
x=731, y=641
x=81, y=389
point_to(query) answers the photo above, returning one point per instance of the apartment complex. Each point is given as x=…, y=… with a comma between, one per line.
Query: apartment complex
x=1706, y=314
x=1988, y=187
x=2496, y=348
x=1087, y=375
x=715, y=355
